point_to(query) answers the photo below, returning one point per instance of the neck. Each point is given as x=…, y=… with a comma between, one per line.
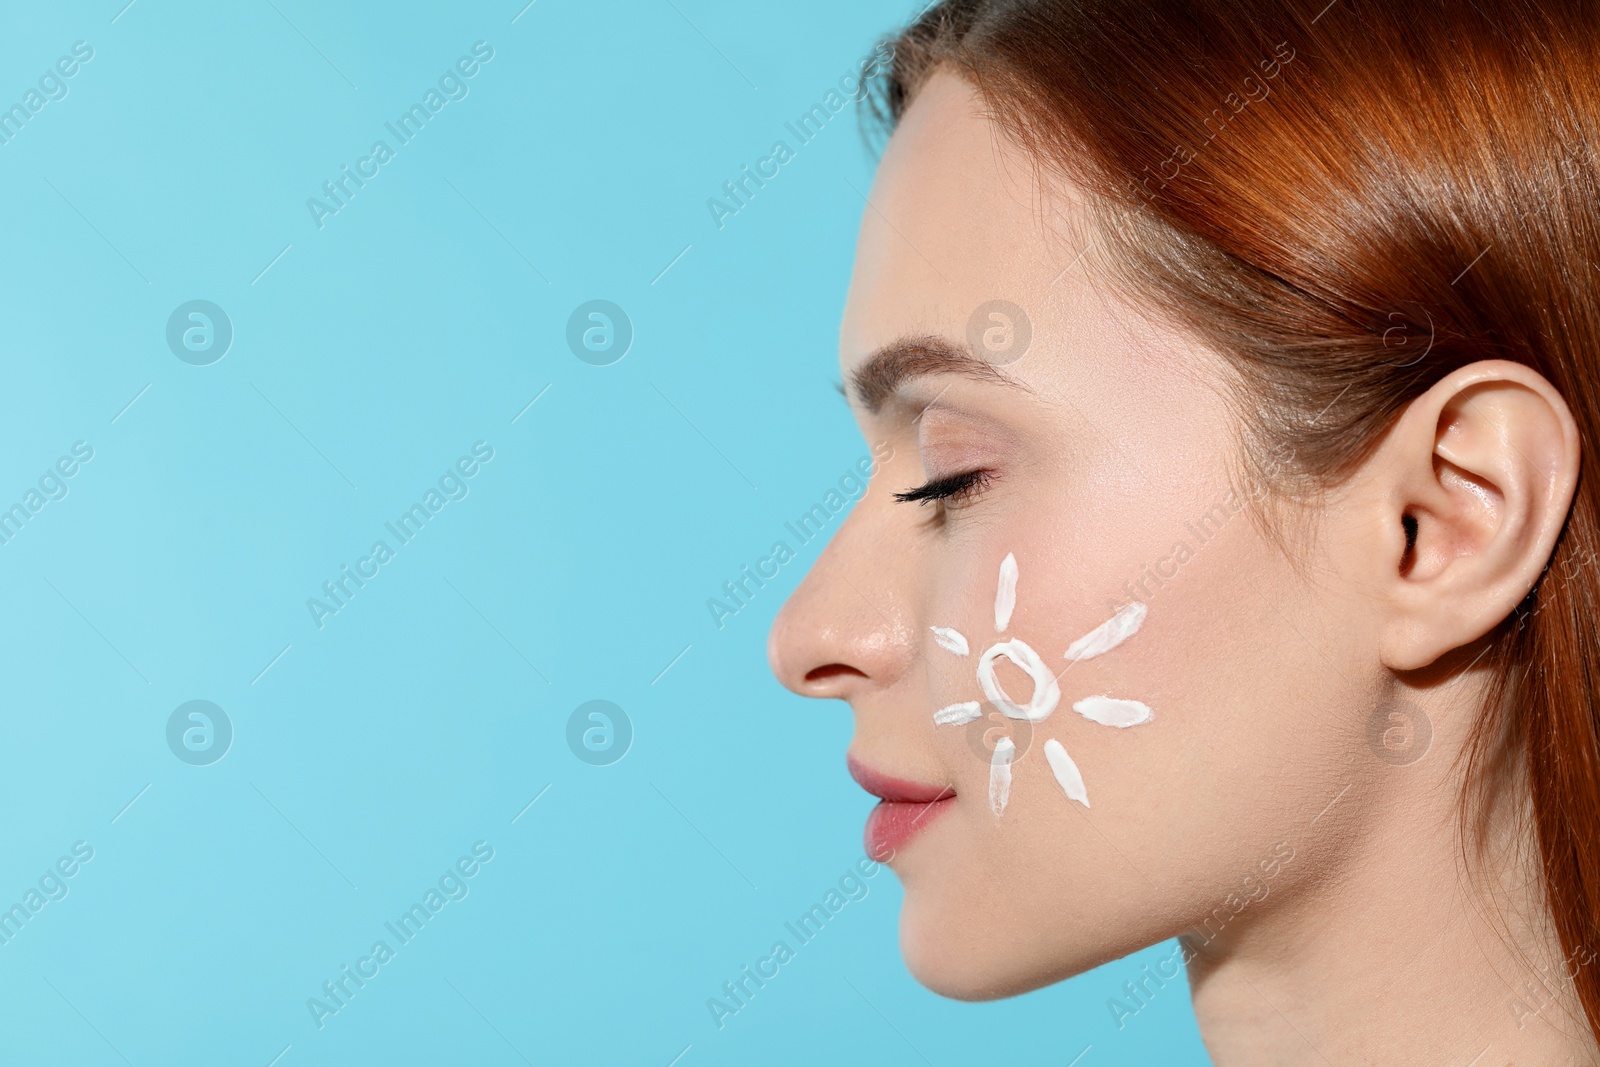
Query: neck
x=1392, y=947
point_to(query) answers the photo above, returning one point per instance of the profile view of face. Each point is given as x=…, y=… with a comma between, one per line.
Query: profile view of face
x=1097, y=459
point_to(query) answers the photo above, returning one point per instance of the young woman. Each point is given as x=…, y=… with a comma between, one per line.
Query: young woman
x=1230, y=575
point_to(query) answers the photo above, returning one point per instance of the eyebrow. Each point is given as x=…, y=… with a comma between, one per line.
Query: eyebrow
x=892, y=366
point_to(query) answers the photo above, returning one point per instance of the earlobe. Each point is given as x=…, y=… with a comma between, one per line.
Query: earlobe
x=1474, y=483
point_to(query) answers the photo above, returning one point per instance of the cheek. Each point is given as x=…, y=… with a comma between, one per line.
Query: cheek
x=1232, y=660
x=1237, y=658
x=1248, y=671
x=1182, y=806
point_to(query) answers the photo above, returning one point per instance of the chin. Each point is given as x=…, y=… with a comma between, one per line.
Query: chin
x=974, y=954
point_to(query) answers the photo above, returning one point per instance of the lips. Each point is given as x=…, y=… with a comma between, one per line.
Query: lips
x=905, y=809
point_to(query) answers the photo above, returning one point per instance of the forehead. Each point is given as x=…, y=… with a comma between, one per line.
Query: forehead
x=957, y=219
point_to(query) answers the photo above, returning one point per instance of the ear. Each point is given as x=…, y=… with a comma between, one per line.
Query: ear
x=1471, y=489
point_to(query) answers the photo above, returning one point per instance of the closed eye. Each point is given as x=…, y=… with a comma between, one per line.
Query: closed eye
x=952, y=490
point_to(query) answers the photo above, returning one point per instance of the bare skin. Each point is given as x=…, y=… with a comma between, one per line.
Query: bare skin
x=1271, y=814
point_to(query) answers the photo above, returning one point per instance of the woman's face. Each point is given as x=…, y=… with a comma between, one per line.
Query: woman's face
x=1105, y=446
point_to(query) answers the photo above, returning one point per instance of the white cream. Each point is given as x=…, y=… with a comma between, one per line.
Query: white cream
x=1064, y=769
x=1005, y=595
x=1046, y=693
x=1000, y=774
x=1110, y=711
x=950, y=640
x=1109, y=634
x=958, y=714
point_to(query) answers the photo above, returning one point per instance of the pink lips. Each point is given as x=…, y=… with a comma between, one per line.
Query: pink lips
x=906, y=808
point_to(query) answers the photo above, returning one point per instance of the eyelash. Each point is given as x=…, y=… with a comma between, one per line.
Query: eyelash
x=951, y=491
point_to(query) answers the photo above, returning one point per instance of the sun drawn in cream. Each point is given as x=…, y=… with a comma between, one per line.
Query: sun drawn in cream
x=1105, y=710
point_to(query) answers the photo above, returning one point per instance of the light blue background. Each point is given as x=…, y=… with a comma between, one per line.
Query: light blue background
x=423, y=717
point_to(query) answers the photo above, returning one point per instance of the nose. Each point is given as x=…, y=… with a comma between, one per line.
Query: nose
x=848, y=628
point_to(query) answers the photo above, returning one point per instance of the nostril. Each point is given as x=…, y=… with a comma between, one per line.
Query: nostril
x=832, y=672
